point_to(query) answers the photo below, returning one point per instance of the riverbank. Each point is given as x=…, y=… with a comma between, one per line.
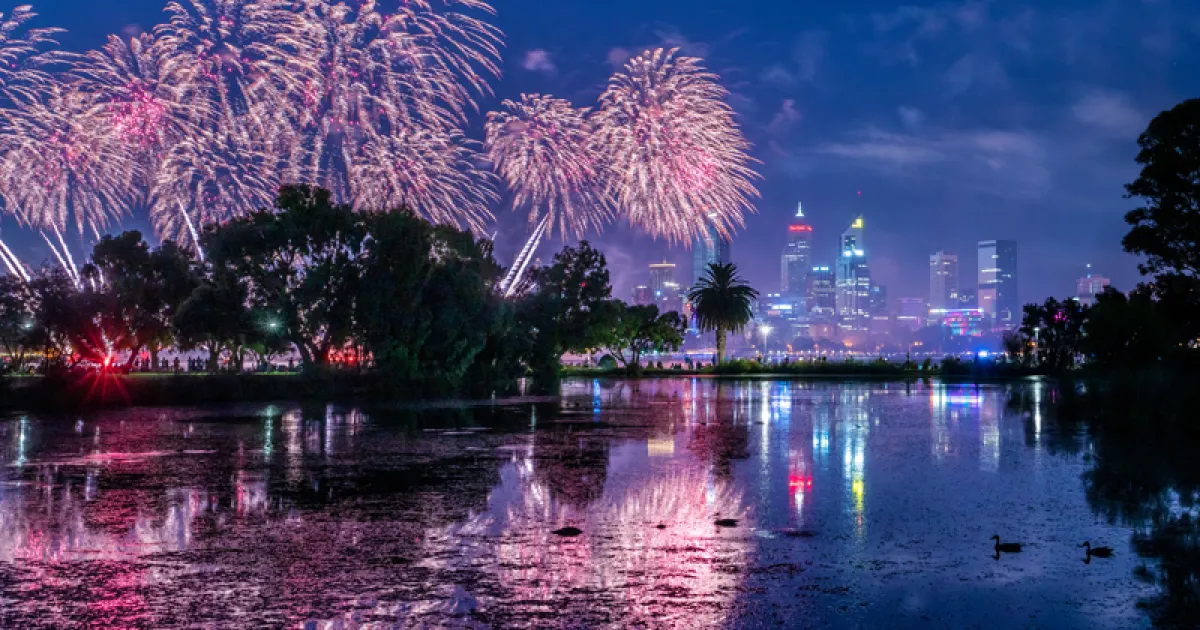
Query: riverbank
x=90, y=390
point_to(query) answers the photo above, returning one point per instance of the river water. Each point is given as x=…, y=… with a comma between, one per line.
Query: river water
x=857, y=505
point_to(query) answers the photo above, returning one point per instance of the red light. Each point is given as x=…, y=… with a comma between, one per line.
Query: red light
x=800, y=228
x=800, y=482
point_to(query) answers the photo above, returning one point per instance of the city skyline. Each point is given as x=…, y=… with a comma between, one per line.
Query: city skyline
x=979, y=174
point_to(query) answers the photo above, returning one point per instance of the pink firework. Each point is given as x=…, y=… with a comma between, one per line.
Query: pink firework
x=542, y=147
x=25, y=55
x=63, y=165
x=382, y=75
x=241, y=57
x=127, y=83
x=677, y=160
x=432, y=172
x=211, y=177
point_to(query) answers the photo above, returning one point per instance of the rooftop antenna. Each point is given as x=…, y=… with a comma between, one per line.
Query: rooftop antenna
x=800, y=210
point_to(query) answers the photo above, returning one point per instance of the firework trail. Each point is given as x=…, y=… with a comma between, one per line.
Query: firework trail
x=25, y=54
x=436, y=174
x=137, y=100
x=383, y=76
x=211, y=177
x=62, y=165
x=677, y=159
x=542, y=147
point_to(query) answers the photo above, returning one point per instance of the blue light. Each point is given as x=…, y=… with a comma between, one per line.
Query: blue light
x=983, y=354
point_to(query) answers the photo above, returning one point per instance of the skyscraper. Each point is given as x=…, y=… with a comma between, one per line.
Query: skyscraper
x=707, y=251
x=797, y=255
x=1090, y=286
x=853, y=281
x=819, y=294
x=998, y=283
x=661, y=274
x=943, y=281
x=642, y=296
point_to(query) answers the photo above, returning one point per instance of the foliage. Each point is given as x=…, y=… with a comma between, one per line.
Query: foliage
x=567, y=310
x=722, y=302
x=637, y=330
x=1056, y=329
x=1124, y=332
x=431, y=311
x=16, y=320
x=1165, y=227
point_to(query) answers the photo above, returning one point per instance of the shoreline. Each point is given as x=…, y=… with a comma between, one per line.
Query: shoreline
x=91, y=392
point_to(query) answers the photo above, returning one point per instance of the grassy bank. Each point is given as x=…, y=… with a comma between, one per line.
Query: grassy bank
x=829, y=369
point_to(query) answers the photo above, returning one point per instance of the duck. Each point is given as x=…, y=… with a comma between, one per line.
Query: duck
x=1006, y=547
x=726, y=522
x=1099, y=552
x=567, y=532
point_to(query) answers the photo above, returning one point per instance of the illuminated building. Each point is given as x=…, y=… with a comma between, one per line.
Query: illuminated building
x=853, y=281
x=661, y=274
x=911, y=312
x=943, y=280
x=1091, y=286
x=668, y=294
x=797, y=256
x=967, y=298
x=642, y=296
x=710, y=250
x=998, y=283
x=819, y=294
x=962, y=322
x=878, y=300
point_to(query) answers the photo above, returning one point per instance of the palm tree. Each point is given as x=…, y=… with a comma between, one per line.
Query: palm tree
x=721, y=301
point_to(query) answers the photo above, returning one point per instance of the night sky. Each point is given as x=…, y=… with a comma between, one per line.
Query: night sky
x=957, y=122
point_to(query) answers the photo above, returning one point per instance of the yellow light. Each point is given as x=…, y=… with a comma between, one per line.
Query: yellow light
x=858, y=223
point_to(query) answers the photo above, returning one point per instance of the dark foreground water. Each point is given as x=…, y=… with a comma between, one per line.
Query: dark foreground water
x=858, y=505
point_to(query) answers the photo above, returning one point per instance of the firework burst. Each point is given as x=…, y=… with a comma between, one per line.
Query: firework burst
x=677, y=160
x=434, y=173
x=64, y=166
x=127, y=82
x=210, y=177
x=542, y=147
x=25, y=54
x=241, y=57
x=383, y=75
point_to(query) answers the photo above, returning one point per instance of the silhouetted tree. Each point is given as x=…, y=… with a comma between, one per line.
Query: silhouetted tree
x=636, y=330
x=722, y=303
x=566, y=311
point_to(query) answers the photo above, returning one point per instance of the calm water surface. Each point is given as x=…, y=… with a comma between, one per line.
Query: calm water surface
x=858, y=505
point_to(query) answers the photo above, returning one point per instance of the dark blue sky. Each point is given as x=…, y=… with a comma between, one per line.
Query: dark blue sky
x=958, y=121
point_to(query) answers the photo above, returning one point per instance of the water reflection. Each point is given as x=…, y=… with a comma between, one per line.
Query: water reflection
x=857, y=505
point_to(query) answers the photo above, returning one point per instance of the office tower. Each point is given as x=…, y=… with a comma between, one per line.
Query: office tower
x=878, y=300
x=643, y=296
x=943, y=281
x=797, y=255
x=911, y=312
x=710, y=250
x=661, y=274
x=853, y=281
x=967, y=298
x=1090, y=286
x=819, y=294
x=998, y=283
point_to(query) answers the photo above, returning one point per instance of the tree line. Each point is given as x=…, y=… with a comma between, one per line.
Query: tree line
x=388, y=292
x=1159, y=321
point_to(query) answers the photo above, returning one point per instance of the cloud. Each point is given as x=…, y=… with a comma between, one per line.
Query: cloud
x=910, y=116
x=975, y=70
x=1010, y=164
x=1109, y=112
x=785, y=118
x=809, y=52
x=618, y=56
x=538, y=60
x=779, y=75
x=672, y=38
